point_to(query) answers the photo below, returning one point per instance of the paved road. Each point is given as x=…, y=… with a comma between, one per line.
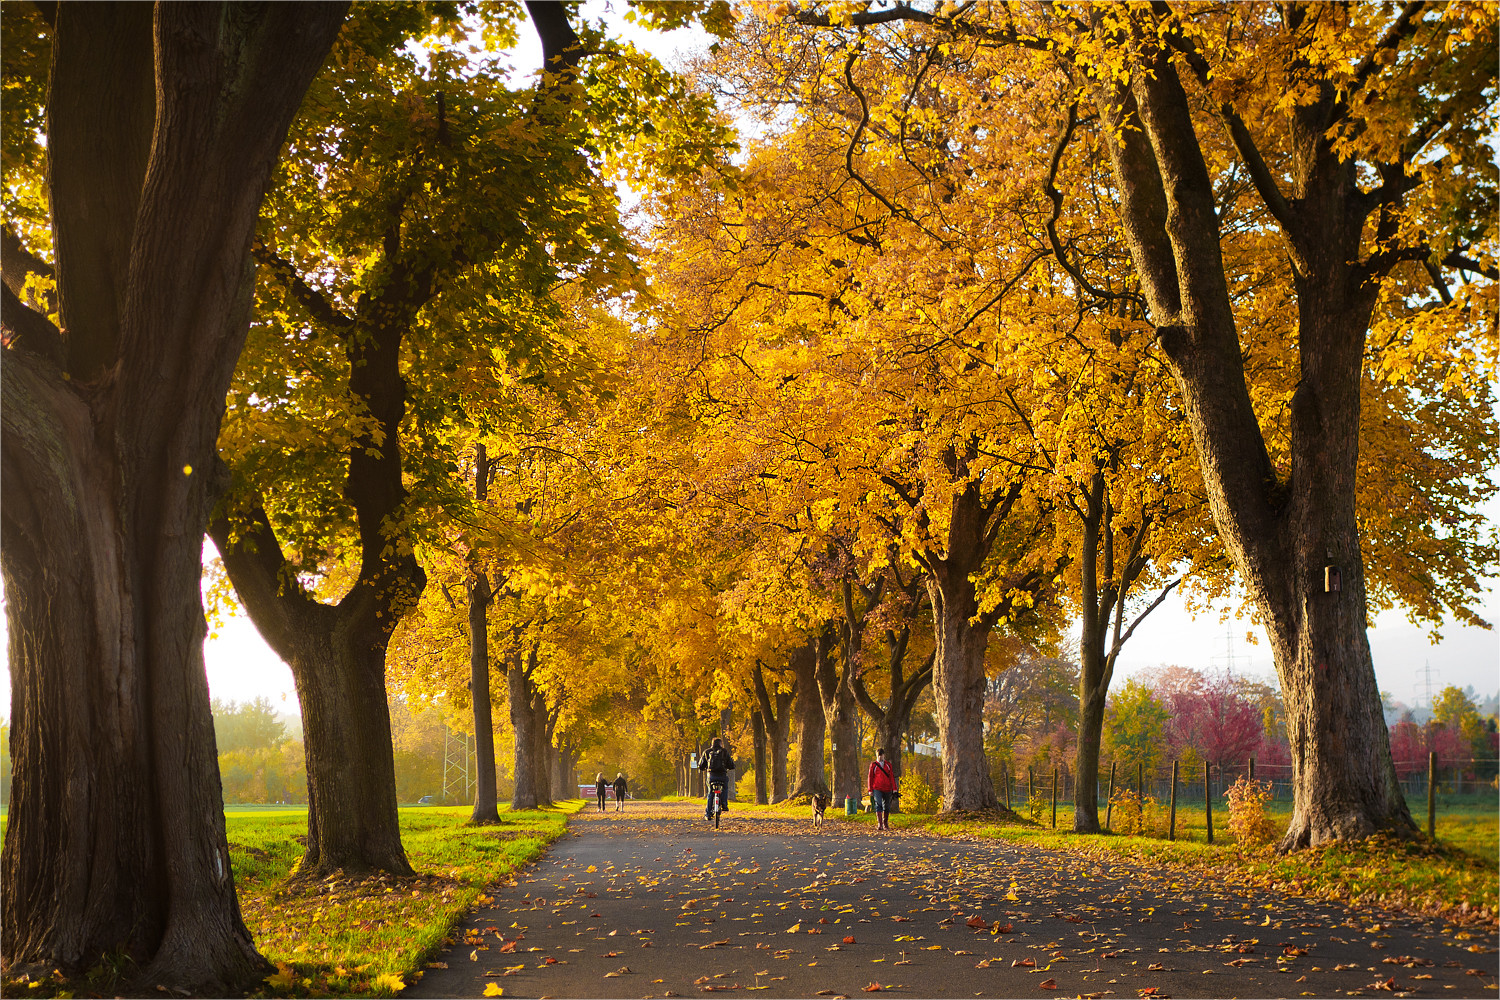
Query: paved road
x=652, y=903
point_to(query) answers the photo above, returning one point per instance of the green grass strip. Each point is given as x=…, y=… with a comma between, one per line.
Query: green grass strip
x=373, y=937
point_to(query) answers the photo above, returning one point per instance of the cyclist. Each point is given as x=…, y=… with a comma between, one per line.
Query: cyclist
x=717, y=761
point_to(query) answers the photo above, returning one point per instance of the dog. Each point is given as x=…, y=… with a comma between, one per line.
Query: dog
x=819, y=805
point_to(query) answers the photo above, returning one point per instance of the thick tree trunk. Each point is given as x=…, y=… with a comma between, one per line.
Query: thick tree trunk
x=353, y=823
x=526, y=725
x=958, y=689
x=160, y=138
x=962, y=636
x=486, y=800
x=486, y=804
x=541, y=756
x=811, y=725
x=758, y=729
x=1286, y=535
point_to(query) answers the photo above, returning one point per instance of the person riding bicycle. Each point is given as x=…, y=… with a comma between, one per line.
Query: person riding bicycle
x=718, y=763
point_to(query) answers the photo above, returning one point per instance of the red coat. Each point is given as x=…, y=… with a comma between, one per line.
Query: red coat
x=882, y=778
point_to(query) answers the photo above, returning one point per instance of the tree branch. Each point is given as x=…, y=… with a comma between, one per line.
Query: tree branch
x=315, y=302
x=17, y=262
x=27, y=330
x=1260, y=174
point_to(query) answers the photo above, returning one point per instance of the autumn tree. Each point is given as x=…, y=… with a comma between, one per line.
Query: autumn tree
x=1356, y=134
x=413, y=255
x=162, y=124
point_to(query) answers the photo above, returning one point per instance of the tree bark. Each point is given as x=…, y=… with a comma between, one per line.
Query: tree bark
x=348, y=764
x=962, y=636
x=486, y=804
x=811, y=724
x=776, y=712
x=758, y=731
x=1281, y=533
x=163, y=125
x=836, y=693
x=518, y=673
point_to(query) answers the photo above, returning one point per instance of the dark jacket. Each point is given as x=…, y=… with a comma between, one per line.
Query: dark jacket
x=716, y=760
x=620, y=788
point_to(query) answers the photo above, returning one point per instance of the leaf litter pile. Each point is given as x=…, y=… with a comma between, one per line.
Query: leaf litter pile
x=653, y=903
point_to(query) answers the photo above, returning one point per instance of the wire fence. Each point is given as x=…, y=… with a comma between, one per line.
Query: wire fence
x=1455, y=783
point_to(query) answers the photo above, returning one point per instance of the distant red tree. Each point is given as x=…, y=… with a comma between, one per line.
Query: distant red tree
x=1214, y=713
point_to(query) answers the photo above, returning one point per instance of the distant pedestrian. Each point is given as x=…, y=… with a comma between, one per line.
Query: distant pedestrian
x=620, y=792
x=600, y=789
x=882, y=784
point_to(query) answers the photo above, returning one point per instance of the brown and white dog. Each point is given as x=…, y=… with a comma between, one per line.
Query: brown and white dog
x=819, y=805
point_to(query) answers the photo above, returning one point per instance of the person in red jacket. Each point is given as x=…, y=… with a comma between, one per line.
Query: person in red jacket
x=881, y=781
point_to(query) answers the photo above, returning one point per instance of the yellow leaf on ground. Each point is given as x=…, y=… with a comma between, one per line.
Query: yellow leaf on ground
x=494, y=990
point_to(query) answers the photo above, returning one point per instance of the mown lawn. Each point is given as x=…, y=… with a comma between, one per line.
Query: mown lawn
x=373, y=937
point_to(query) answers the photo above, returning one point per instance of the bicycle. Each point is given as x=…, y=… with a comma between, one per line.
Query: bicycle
x=718, y=790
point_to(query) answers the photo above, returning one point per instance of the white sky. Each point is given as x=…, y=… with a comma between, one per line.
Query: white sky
x=242, y=667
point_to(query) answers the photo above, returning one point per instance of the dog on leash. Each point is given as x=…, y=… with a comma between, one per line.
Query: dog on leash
x=819, y=806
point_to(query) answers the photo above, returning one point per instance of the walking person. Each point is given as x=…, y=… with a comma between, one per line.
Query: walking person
x=881, y=781
x=600, y=789
x=620, y=792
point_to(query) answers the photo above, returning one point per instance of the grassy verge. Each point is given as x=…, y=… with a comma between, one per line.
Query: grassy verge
x=1454, y=877
x=372, y=937
x=368, y=937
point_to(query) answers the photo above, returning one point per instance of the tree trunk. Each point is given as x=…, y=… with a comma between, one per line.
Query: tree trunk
x=758, y=728
x=541, y=758
x=486, y=804
x=962, y=637
x=352, y=819
x=839, y=712
x=811, y=725
x=1282, y=533
x=776, y=712
x=523, y=720
x=161, y=137
x=958, y=689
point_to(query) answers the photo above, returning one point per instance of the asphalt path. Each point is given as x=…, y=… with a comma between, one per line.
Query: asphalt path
x=652, y=902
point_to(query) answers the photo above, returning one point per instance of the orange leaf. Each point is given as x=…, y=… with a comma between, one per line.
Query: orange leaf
x=1023, y=963
x=1049, y=984
x=976, y=921
x=849, y=939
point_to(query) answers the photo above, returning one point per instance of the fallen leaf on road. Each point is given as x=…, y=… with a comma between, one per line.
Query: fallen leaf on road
x=1023, y=963
x=794, y=928
x=1389, y=985
x=494, y=990
x=1047, y=984
x=849, y=939
x=976, y=922
x=623, y=970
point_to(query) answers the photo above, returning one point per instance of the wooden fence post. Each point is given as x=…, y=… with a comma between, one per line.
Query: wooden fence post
x=1431, y=795
x=1054, y=798
x=1252, y=768
x=1030, y=785
x=1208, y=801
x=1007, y=788
x=1109, y=805
x=1172, y=811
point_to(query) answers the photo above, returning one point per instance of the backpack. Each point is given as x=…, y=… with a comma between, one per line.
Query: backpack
x=717, y=759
